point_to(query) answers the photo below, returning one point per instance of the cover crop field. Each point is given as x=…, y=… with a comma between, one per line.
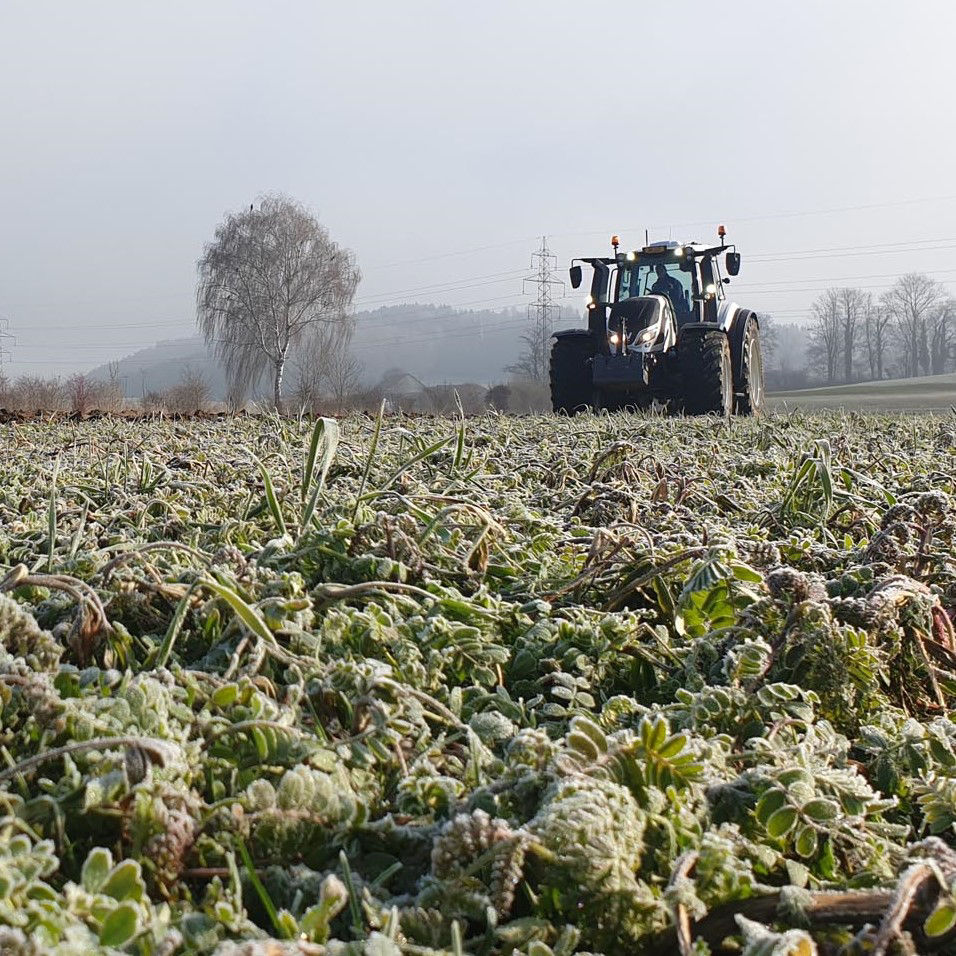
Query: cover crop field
x=546, y=686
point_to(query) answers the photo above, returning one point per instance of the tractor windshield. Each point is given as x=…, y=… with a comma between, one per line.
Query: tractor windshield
x=657, y=278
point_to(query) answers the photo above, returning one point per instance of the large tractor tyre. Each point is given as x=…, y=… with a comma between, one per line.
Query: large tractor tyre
x=707, y=373
x=748, y=365
x=572, y=388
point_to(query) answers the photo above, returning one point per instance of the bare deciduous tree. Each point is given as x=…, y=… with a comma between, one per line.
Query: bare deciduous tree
x=31, y=393
x=912, y=302
x=270, y=275
x=189, y=395
x=941, y=336
x=87, y=394
x=876, y=325
x=768, y=338
x=343, y=376
x=112, y=395
x=80, y=389
x=853, y=305
x=152, y=401
x=532, y=364
x=826, y=332
x=325, y=365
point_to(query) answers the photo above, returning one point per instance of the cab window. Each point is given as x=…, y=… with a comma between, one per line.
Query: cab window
x=657, y=278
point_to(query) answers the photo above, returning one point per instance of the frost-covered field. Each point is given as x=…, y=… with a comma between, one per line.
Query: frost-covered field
x=537, y=685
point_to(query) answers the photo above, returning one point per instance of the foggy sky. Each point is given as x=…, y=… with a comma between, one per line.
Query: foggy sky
x=439, y=139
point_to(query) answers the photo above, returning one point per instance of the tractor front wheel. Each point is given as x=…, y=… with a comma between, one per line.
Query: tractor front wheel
x=572, y=388
x=706, y=372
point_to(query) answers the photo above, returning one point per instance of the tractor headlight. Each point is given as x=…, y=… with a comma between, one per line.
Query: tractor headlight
x=711, y=289
x=614, y=338
x=647, y=335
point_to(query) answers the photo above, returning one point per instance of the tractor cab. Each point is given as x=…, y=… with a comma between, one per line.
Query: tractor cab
x=687, y=274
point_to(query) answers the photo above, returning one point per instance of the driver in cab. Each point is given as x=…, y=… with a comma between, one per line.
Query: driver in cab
x=667, y=285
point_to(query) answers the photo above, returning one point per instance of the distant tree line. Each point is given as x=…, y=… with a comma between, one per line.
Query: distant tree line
x=908, y=331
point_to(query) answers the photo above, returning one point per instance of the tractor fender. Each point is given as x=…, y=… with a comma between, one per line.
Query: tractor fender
x=698, y=328
x=571, y=334
x=726, y=314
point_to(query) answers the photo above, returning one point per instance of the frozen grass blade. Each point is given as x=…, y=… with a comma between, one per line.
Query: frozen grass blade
x=175, y=626
x=325, y=440
x=246, y=613
x=372, y=448
x=426, y=452
x=271, y=498
x=51, y=518
x=358, y=930
x=260, y=889
x=81, y=527
x=460, y=440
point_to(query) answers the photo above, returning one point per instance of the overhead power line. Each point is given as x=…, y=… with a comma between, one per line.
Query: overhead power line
x=875, y=275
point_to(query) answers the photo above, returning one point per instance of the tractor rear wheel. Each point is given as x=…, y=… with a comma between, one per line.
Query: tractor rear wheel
x=748, y=365
x=707, y=373
x=572, y=388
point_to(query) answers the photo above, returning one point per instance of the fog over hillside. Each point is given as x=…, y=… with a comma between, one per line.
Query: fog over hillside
x=435, y=343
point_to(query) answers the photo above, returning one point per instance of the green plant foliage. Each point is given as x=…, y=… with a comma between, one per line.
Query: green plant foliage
x=534, y=686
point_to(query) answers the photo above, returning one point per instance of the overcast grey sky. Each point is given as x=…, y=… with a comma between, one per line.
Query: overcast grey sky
x=420, y=129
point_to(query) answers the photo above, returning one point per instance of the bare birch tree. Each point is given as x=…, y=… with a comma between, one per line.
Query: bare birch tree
x=912, y=302
x=826, y=332
x=271, y=274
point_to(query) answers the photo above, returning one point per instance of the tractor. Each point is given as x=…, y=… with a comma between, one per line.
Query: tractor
x=662, y=330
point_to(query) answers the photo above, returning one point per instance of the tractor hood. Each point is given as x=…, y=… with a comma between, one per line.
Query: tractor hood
x=640, y=322
x=637, y=314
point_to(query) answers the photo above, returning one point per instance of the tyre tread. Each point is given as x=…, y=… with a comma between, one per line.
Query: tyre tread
x=702, y=366
x=570, y=374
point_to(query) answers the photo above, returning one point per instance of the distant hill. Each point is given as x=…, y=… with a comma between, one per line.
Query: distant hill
x=435, y=343
x=155, y=368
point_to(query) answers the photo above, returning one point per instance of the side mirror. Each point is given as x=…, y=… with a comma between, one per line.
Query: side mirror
x=733, y=263
x=575, y=275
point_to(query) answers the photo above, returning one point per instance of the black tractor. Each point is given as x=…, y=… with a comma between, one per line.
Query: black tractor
x=661, y=329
